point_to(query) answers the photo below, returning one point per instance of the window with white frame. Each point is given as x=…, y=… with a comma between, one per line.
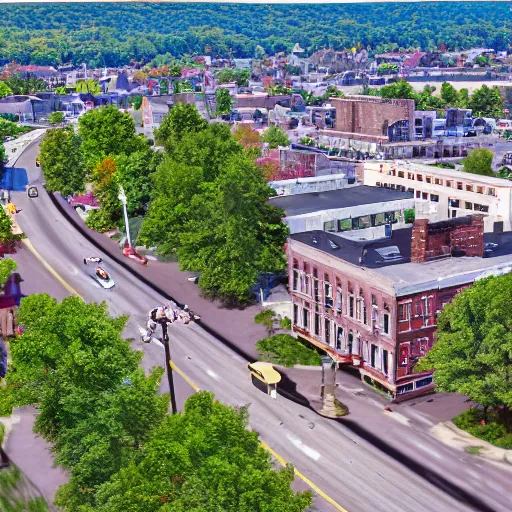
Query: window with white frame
x=386, y=326
x=339, y=338
x=327, y=291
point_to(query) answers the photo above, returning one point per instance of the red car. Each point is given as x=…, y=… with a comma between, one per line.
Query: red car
x=131, y=253
x=84, y=202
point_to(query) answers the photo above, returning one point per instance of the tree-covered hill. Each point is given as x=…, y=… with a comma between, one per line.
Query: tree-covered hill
x=112, y=34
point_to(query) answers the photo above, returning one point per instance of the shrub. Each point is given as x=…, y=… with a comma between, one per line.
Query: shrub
x=286, y=350
x=285, y=323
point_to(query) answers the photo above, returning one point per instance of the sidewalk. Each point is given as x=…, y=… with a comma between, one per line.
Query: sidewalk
x=452, y=436
x=234, y=327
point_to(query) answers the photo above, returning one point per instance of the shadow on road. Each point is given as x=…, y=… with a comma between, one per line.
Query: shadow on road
x=288, y=389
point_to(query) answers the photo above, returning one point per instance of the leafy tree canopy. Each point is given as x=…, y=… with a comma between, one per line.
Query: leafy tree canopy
x=473, y=351
x=223, y=100
x=62, y=162
x=5, y=90
x=56, y=118
x=479, y=161
x=275, y=137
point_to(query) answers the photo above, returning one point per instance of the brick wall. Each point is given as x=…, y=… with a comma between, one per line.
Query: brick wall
x=371, y=116
x=432, y=241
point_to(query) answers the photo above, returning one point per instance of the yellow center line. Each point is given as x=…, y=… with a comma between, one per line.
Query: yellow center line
x=190, y=382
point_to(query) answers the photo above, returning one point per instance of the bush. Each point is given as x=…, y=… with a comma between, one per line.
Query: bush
x=286, y=350
x=409, y=216
x=285, y=323
x=492, y=430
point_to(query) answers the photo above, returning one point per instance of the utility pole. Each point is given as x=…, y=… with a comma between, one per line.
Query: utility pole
x=165, y=339
x=122, y=198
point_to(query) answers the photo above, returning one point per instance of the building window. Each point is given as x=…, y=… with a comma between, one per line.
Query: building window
x=434, y=198
x=449, y=183
x=401, y=174
x=459, y=185
x=424, y=196
x=491, y=191
x=361, y=315
x=351, y=306
x=438, y=181
x=421, y=383
x=468, y=206
x=404, y=354
x=327, y=291
x=379, y=219
x=410, y=176
x=404, y=312
x=305, y=319
x=330, y=226
x=469, y=188
x=391, y=217
x=317, y=324
x=350, y=341
x=365, y=222
x=345, y=225
x=366, y=357
x=481, y=208
x=327, y=332
x=385, y=359
x=428, y=179
x=454, y=203
x=401, y=390
x=418, y=194
x=295, y=314
x=295, y=280
x=316, y=290
x=479, y=190
x=385, y=323
x=339, y=338
x=419, y=177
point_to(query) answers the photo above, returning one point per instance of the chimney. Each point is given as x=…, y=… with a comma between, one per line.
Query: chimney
x=419, y=241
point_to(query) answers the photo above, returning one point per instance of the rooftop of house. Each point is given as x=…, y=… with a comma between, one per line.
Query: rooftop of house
x=391, y=258
x=333, y=199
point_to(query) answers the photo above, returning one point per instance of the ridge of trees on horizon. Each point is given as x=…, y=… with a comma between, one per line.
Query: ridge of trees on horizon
x=118, y=34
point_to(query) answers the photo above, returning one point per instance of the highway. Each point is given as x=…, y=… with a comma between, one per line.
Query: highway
x=370, y=461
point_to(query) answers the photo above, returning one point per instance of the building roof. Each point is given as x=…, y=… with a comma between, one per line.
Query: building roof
x=345, y=198
x=404, y=165
x=390, y=258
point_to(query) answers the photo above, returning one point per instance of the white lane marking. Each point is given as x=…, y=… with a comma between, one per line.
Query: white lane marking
x=428, y=450
x=313, y=454
x=419, y=416
x=154, y=340
x=212, y=374
x=398, y=417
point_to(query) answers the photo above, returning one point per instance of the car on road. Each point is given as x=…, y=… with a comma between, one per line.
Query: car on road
x=84, y=202
x=32, y=192
x=130, y=252
x=99, y=273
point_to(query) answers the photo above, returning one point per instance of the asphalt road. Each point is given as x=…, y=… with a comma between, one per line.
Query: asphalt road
x=371, y=461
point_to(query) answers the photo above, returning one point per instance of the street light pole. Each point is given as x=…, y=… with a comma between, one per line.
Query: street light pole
x=122, y=198
x=165, y=338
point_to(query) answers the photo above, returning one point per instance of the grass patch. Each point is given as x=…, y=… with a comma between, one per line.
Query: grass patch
x=286, y=350
x=473, y=450
x=489, y=427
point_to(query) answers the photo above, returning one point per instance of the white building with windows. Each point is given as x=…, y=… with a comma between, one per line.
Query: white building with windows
x=443, y=194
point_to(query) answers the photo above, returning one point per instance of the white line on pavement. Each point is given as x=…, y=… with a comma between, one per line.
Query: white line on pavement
x=312, y=454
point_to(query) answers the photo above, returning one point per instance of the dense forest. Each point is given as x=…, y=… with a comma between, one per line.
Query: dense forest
x=111, y=34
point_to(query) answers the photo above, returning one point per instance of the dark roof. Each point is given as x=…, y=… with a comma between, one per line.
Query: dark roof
x=300, y=204
x=359, y=252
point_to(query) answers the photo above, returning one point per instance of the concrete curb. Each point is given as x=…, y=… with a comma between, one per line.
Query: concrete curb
x=18, y=154
x=453, y=436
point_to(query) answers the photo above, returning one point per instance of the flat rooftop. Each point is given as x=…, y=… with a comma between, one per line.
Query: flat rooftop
x=390, y=258
x=301, y=204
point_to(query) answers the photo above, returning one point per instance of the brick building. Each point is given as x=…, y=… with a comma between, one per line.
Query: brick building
x=374, y=305
x=374, y=119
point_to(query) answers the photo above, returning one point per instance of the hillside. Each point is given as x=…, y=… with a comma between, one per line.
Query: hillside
x=111, y=34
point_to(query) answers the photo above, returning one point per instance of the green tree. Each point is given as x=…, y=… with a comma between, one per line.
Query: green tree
x=479, y=161
x=426, y=100
x=7, y=267
x=180, y=120
x=27, y=85
x=463, y=98
x=5, y=90
x=11, y=129
x=223, y=100
x=208, y=460
x=449, y=95
x=56, y=118
x=259, y=52
x=105, y=182
x=106, y=132
x=6, y=234
x=90, y=86
x=398, y=90
x=473, y=351
x=62, y=162
x=275, y=137
x=487, y=102
x=175, y=70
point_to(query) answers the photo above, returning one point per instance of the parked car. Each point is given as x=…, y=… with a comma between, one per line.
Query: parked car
x=131, y=253
x=84, y=202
